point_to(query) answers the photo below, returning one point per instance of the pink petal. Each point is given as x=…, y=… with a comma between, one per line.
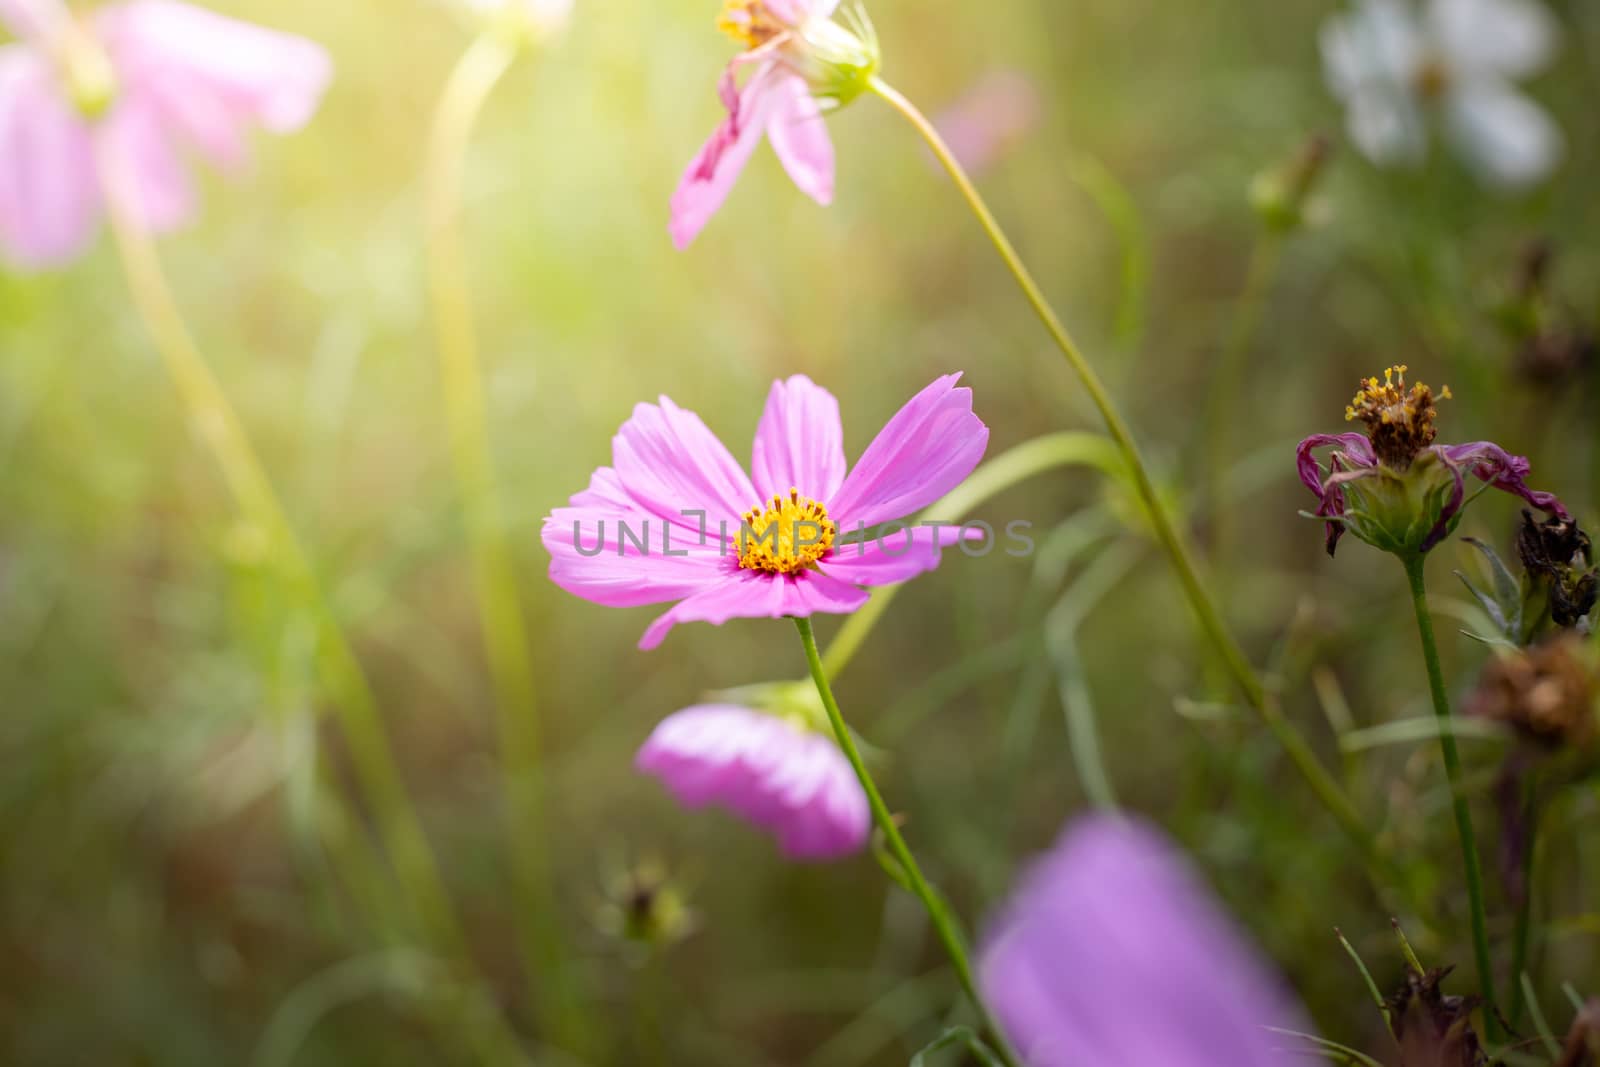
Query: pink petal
x=668, y=461
x=744, y=594
x=927, y=449
x=790, y=781
x=799, y=442
x=712, y=173
x=591, y=557
x=894, y=556
x=146, y=167
x=49, y=193
x=33, y=20
x=213, y=77
x=800, y=137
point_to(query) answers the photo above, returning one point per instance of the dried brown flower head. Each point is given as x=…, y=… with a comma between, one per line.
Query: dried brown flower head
x=1433, y=1030
x=1546, y=692
x=1557, y=553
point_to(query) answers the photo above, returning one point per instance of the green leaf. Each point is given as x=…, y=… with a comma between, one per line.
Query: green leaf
x=963, y=1036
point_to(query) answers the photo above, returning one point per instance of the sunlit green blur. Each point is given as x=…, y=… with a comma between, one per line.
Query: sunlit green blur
x=165, y=748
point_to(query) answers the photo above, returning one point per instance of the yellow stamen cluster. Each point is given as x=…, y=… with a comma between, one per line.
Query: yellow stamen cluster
x=1399, y=420
x=786, y=535
x=749, y=22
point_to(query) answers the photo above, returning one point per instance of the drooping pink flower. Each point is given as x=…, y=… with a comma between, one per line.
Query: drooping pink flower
x=801, y=60
x=139, y=84
x=1113, y=952
x=791, y=781
x=675, y=518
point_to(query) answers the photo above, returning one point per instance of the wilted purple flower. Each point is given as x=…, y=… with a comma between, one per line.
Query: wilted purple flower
x=770, y=769
x=1112, y=952
x=1393, y=487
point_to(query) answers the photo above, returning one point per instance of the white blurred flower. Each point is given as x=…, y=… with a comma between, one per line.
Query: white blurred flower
x=1393, y=65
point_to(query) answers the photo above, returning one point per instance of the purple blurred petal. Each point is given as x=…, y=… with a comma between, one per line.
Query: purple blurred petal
x=1113, y=952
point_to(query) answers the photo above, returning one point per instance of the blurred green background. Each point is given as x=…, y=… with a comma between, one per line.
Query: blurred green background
x=166, y=897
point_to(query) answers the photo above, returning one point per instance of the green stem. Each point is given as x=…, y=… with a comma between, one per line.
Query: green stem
x=219, y=428
x=1211, y=622
x=1524, y=920
x=1458, y=798
x=943, y=923
x=501, y=618
x=1228, y=381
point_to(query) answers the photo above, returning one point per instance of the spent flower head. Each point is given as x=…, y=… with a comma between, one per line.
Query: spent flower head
x=804, y=58
x=121, y=94
x=1395, y=487
x=1548, y=692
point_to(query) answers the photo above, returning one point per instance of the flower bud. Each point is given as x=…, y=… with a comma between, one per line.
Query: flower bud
x=644, y=909
x=1283, y=195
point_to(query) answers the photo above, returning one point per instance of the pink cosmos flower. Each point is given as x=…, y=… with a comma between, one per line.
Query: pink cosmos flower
x=137, y=84
x=801, y=58
x=675, y=518
x=769, y=769
x=1113, y=952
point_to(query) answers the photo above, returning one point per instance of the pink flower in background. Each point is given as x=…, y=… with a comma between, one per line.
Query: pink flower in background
x=990, y=119
x=675, y=518
x=802, y=59
x=1113, y=952
x=769, y=769
x=138, y=84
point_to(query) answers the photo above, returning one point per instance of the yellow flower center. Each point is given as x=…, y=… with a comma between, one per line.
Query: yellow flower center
x=749, y=22
x=785, y=535
x=1399, y=420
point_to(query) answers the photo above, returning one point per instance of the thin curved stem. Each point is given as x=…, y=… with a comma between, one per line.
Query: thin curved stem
x=1523, y=928
x=500, y=614
x=1458, y=797
x=943, y=923
x=1228, y=380
x=1205, y=610
x=219, y=428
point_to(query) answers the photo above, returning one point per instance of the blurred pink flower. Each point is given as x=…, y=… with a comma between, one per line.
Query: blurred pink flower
x=136, y=83
x=774, y=772
x=665, y=519
x=1113, y=952
x=802, y=60
x=991, y=118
